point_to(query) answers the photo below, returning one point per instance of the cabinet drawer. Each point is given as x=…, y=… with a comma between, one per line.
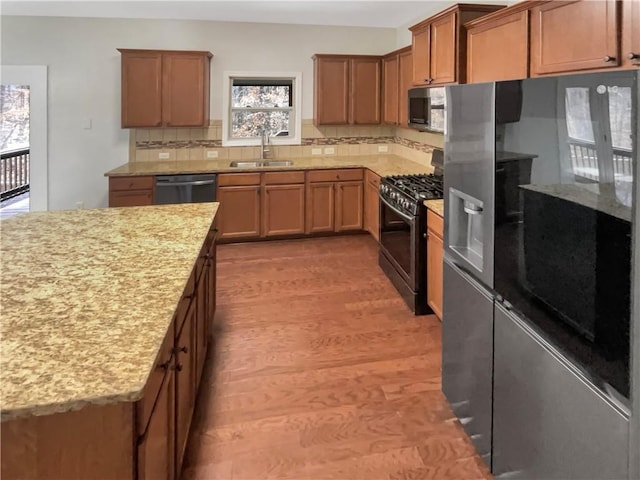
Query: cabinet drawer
x=232, y=179
x=373, y=178
x=335, y=175
x=281, y=178
x=435, y=223
x=152, y=388
x=131, y=183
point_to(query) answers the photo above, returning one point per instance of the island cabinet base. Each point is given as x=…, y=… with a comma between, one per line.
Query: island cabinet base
x=97, y=441
x=142, y=439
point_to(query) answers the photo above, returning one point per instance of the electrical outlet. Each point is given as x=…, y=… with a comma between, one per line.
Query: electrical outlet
x=212, y=154
x=80, y=205
x=316, y=151
x=163, y=155
x=329, y=151
x=383, y=148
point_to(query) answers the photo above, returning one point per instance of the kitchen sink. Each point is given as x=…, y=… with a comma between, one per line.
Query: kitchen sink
x=260, y=163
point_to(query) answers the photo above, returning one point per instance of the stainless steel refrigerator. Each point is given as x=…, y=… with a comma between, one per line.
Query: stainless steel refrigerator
x=538, y=184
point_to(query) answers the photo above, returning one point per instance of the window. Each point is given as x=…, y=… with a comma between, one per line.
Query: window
x=15, y=117
x=261, y=103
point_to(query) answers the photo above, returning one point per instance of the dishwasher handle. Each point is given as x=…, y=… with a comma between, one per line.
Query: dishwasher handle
x=195, y=183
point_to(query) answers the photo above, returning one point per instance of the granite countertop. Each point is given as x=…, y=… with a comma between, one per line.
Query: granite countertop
x=436, y=206
x=383, y=165
x=87, y=298
x=599, y=197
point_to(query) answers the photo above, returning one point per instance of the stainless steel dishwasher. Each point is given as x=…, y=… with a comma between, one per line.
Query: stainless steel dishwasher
x=185, y=188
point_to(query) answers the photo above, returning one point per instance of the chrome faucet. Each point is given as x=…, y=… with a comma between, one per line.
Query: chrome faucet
x=264, y=146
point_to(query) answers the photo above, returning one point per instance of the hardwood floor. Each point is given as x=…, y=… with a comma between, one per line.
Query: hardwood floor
x=320, y=371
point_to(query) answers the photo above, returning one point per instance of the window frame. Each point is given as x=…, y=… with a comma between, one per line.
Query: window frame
x=296, y=109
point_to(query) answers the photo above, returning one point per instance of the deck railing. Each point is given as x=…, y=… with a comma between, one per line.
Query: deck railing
x=14, y=173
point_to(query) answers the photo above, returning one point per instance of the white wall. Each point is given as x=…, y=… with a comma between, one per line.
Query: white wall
x=84, y=78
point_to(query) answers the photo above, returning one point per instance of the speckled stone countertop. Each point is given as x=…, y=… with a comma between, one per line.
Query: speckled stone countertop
x=599, y=197
x=87, y=298
x=383, y=165
x=437, y=206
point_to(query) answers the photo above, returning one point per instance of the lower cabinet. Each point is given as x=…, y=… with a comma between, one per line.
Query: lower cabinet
x=335, y=201
x=131, y=191
x=320, y=215
x=185, y=351
x=435, y=253
x=349, y=203
x=283, y=210
x=239, y=216
x=372, y=205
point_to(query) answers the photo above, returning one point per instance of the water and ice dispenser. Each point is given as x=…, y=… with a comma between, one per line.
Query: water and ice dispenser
x=465, y=227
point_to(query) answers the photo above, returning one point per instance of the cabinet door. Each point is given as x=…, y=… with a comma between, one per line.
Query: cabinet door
x=405, y=80
x=435, y=251
x=239, y=214
x=202, y=318
x=141, y=89
x=211, y=288
x=185, y=382
x=283, y=210
x=631, y=33
x=320, y=207
x=560, y=43
x=390, y=89
x=156, y=451
x=365, y=91
x=349, y=203
x=331, y=93
x=443, y=50
x=421, y=56
x=371, y=210
x=132, y=198
x=185, y=90
x=499, y=50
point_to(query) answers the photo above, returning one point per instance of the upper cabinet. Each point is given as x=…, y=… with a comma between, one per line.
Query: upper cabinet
x=439, y=45
x=631, y=33
x=346, y=90
x=396, y=80
x=498, y=45
x=164, y=88
x=574, y=36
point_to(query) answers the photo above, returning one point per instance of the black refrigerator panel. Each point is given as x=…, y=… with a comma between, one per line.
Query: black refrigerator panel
x=564, y=178
x=549, y=423
x=467, y=346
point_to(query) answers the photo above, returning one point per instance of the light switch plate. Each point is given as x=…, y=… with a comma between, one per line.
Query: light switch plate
x=164, y=155
x=383, y=148
x=316, y=151
x=329, y=151
x=212, y=154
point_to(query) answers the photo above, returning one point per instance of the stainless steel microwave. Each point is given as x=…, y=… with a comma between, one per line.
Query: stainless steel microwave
x=426, y=108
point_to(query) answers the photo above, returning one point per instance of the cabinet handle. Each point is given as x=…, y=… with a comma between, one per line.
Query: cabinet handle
x=608, y=58
x=337, y=177
x=633, y=56
x=178, y=367
x=183, y=349
x=164, y=365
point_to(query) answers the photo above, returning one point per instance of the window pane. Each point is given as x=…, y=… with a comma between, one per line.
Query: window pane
x=252, y=124
x=260, y=96
x=620, y=117
x=578, y=110
x=15, y=117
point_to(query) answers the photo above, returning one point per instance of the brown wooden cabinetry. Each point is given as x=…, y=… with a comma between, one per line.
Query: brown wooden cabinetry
x=239, y=213
x=576, y=35
x=164, y=88
x=439, y=45
x=334, y=201
x=498, y=45
x=631, y=33
x=395, y=84
x=131, y=191
x=435, y=253
x=346, y=90
x=283, y=210
x=185, y=380
x=372, y=205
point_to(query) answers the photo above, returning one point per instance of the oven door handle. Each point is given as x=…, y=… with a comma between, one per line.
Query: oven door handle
x=404, y=216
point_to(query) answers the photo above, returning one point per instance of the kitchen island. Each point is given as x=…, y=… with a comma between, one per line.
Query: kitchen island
x=92, y=301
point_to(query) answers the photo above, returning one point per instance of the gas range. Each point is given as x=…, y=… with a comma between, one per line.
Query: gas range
x=407, y=192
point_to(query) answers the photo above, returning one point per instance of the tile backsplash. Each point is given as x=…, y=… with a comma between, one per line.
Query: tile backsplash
x=194, y=143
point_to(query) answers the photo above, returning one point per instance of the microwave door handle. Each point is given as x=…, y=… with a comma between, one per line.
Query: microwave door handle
x=402, y=215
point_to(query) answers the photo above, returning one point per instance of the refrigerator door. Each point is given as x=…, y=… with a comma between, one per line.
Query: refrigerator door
x=549, y=422
x=469, y=167
x=467, y=347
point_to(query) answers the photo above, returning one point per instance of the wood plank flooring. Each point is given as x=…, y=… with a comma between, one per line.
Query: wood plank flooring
x=320, y=371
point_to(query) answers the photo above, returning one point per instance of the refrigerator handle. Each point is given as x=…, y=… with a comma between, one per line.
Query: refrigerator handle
x=486, y=291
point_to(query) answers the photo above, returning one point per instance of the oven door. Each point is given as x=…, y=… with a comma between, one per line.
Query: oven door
x=398, y=241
